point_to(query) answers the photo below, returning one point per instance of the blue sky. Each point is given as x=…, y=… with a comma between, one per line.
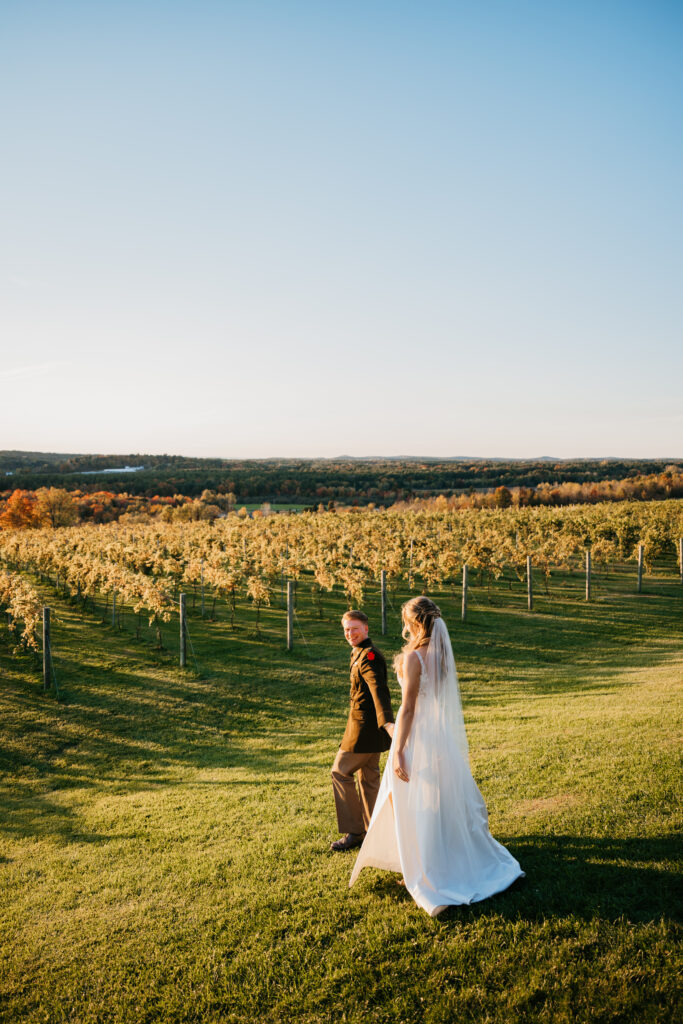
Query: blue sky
x=257, y=229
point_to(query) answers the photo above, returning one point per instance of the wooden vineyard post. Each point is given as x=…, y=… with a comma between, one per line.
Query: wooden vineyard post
x=588, y=575
x=464, y=592
x=290, y=615
x=46, y=649
x=529, y=585
x=640, y=568
x=410, y=570
x=680, y=557
x=113, y=609
x=183, y=651
x=202, y=571
x=383, y=587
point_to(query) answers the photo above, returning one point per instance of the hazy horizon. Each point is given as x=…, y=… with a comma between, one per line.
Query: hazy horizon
x=354, y=458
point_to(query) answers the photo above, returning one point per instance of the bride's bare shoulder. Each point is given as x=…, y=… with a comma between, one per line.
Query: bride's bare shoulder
x=411, y=662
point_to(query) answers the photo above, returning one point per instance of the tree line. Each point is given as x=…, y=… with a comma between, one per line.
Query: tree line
x=309, y=482
x=56, y=507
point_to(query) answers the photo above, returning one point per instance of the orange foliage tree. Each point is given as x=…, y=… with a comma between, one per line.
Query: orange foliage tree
x=19, y=512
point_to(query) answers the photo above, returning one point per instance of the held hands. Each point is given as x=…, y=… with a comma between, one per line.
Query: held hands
x=389, y=727
x=400, y=766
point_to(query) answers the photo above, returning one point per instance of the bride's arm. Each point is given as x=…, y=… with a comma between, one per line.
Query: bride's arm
x=411, y=684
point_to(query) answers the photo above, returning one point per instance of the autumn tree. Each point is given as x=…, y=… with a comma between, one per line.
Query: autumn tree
x=19, y=512
x=502, y=497
x=55, y=507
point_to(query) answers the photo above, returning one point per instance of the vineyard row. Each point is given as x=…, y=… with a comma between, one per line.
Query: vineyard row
x=147, y=564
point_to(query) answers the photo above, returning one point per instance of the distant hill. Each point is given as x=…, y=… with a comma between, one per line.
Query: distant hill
x=304, y=481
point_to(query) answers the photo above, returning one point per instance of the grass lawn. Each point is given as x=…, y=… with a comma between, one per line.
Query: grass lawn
x=164, y=833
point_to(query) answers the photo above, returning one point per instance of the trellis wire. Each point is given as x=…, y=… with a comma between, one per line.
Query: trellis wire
x=189, y=640
x=385, y=596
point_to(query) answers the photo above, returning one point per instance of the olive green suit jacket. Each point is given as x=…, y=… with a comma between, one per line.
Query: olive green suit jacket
x=370, y=702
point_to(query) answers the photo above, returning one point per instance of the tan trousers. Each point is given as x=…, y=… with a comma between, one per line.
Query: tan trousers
x=355, y=805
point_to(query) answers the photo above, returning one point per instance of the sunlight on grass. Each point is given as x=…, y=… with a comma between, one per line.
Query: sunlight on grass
x=164, y=835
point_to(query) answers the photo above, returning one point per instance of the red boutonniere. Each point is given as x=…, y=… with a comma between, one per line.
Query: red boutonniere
x=371, y=655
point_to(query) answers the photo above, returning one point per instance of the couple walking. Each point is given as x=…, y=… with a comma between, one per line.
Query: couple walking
x=427, y=818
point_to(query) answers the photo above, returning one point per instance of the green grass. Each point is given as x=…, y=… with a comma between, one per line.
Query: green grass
x=164, y=833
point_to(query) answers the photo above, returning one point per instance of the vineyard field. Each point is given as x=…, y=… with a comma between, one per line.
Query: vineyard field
x=145, y=565
x=164, y=832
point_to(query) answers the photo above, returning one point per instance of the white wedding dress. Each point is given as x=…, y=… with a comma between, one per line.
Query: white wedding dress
x=434, y=828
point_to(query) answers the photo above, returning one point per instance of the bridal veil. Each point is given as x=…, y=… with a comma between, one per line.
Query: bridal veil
x=434, y=828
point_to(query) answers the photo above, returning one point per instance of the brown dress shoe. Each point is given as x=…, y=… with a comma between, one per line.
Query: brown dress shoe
x=348, y=842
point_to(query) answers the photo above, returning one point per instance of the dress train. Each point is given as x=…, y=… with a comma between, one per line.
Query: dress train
x=434, y=828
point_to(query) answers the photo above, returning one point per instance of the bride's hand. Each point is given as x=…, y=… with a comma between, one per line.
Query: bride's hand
x=400, y=766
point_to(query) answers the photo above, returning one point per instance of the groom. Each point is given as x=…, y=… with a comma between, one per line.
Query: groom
x=369, y=729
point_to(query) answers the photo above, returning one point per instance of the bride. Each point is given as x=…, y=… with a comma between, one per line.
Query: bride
x=430, y=821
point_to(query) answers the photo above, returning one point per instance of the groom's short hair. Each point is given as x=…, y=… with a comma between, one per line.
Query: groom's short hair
x=353, y=614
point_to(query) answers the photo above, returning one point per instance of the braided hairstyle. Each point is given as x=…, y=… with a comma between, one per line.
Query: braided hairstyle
x=421, y=613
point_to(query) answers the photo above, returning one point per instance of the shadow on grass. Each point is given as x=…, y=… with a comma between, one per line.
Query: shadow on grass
x=132, y=713
x=578, y=877
x=41, y=818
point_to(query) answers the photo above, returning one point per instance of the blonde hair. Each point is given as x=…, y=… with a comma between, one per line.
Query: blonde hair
x=421, y=613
